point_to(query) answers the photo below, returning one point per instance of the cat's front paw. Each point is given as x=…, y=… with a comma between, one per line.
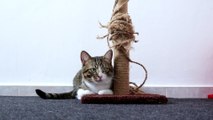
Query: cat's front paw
x=82, y=92
x=103, y=92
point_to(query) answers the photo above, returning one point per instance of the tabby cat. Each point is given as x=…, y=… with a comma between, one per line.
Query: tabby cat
x=95, y=77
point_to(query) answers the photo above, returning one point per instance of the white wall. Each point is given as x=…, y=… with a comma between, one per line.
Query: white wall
x=40, y=40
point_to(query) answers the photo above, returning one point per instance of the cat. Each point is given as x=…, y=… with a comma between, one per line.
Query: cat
x=95, y=77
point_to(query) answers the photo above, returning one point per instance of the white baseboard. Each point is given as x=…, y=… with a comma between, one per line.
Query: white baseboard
x=30, y=90
x=170, y=92
x=180, y=92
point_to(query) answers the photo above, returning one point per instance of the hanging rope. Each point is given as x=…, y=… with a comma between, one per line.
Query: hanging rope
x=121, y=33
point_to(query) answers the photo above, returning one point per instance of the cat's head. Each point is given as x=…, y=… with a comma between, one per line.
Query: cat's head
x=97, y=69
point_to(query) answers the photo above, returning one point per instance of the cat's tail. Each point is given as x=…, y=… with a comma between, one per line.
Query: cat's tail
x=44, y=95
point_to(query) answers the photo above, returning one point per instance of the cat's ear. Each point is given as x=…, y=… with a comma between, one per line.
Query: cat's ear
x=108, y=55
x=84, y=57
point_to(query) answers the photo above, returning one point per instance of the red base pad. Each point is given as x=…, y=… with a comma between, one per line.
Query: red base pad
x=124, y=99
x=210, y=96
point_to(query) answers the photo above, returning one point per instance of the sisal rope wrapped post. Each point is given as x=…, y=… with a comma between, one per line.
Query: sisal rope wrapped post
x=121, y=34
x=121, y=77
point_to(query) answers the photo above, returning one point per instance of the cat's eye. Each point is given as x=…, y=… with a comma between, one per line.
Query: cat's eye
x=92, y=69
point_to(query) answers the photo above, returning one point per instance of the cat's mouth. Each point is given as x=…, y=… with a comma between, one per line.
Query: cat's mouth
x=99, y=79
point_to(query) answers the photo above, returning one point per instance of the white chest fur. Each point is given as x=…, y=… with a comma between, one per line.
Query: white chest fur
x=102, y=85
x=100, y=88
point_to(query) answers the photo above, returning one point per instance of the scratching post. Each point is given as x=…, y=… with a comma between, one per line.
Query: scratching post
x=121, y=78
x=121, y=34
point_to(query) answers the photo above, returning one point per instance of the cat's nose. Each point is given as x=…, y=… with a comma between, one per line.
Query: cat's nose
x=99, y=78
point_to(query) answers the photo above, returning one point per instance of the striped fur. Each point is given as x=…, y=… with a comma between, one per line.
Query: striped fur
x=96, y=71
